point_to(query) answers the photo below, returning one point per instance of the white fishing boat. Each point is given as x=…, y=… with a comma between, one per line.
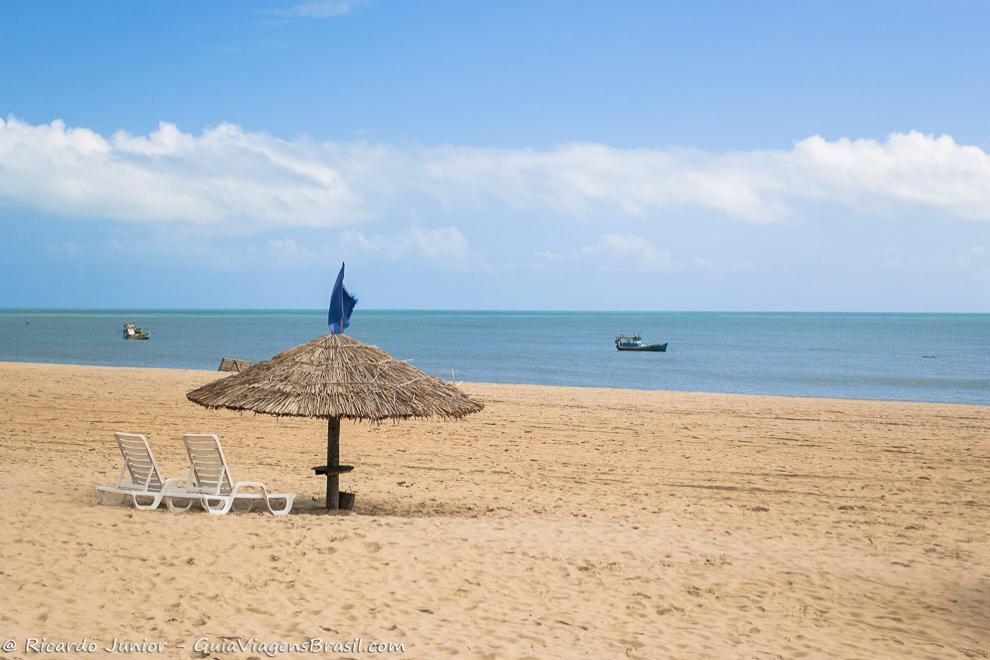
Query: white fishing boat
x=131, y=331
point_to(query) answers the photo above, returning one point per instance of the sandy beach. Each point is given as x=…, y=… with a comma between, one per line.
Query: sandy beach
x=559, y=522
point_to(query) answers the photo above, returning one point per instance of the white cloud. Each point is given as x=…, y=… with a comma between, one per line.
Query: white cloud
x=66, y=249
x=440, y=243
x=630, y=251
x=707, y=265
x=971, y=259
x=443, y=245
x=285, y=253
x=321, y=8
x=547, y=257
x=222, y=176
x=282, y=254
x=621, y=252
x=703, y=264
x=234, y=179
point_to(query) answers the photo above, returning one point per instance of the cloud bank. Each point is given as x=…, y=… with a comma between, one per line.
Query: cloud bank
x=234, y=179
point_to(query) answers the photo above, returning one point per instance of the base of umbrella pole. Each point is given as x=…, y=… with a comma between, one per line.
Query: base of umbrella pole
x=333, y=461
x=345, y=500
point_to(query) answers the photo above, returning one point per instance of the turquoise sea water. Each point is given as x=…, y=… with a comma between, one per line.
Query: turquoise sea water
x=875, y=356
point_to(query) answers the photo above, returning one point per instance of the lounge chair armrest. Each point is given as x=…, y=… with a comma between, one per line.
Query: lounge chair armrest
x=122, y=474
x=249, y=484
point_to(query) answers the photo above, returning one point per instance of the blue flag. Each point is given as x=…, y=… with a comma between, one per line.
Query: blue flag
x=341, y=305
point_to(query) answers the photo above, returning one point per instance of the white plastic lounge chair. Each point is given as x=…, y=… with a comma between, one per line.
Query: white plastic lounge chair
x=146, y=483
x=212, y=485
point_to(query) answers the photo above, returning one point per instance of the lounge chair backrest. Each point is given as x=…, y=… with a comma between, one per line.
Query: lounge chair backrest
x=139, y=462
x=209, y=465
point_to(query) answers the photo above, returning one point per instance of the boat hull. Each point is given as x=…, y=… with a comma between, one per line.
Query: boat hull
x=649, y=348
x=131, y=331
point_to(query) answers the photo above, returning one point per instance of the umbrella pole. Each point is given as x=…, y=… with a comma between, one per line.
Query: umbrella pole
x=333, y=461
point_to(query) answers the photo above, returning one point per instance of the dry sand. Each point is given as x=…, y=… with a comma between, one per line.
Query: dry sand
x=557, y=523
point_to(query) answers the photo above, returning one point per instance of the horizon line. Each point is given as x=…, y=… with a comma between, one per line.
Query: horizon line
x=4, y=309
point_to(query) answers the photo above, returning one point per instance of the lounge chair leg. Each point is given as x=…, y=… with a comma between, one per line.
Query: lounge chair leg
x=177, y=508
x=155, y=501
x=106, y=499
x=282, y=511
x=225, y=504
x=246, y=509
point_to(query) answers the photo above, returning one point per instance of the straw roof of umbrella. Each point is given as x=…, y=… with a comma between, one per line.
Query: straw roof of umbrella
x=336, y=376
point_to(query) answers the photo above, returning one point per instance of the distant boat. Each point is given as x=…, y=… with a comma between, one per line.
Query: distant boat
x=131, y=331
x=635, y=343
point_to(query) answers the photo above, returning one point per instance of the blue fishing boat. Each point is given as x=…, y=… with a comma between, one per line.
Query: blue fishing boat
x=635, y=343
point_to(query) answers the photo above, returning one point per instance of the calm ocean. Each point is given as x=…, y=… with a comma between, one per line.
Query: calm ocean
x=875, y=356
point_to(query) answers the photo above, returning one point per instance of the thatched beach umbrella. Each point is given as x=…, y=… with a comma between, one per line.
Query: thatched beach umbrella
x=336, y=377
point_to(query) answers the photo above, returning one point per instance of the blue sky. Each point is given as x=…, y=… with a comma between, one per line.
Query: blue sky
x=552, y=155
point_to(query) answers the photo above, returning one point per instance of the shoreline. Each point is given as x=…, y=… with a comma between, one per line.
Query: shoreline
x=538, y=385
